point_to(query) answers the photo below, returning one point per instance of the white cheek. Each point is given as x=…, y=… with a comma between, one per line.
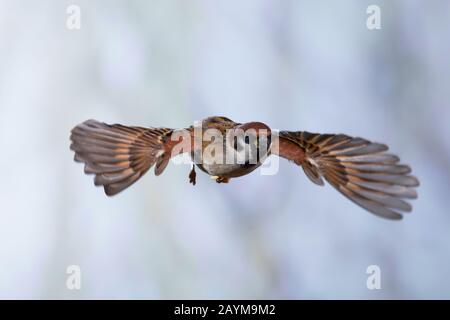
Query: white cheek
x=240, y=155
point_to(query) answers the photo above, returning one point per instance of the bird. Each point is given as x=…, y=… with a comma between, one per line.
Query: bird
x=361, y=170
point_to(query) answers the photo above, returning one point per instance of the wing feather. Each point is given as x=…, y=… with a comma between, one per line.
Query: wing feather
x=359, y=169
x=119, y=155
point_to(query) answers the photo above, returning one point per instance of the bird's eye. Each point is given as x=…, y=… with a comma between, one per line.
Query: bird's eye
x=247, y=140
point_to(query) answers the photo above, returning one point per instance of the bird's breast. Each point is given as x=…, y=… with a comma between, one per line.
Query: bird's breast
x=227, y=170
x=217, y=164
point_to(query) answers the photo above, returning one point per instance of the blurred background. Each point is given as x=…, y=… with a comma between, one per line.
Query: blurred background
x=295, y=65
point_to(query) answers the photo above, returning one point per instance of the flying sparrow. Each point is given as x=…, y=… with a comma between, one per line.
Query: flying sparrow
x=361, y=170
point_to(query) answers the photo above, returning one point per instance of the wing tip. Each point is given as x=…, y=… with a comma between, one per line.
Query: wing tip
x=110, y=192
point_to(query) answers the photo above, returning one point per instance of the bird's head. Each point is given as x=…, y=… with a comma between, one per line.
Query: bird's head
x=253, y=140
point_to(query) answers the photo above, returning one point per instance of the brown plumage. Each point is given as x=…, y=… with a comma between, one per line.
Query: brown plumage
x=118, y=155
x=359, y=169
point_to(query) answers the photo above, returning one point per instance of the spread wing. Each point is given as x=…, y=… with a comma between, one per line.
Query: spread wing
x=119, y=155
x=359, y=169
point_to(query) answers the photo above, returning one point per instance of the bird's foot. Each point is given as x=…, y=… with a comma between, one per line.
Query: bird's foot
x=192, y=176
x=220, y=179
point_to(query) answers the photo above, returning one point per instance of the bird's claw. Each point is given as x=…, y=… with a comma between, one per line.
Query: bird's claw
x=220, y=179
x=192, y=176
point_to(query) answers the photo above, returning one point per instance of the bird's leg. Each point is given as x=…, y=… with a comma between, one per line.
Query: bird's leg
x=221, y=179
x=192, y=175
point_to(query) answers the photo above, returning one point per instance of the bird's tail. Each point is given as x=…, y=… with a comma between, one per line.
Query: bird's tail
x=118, y=155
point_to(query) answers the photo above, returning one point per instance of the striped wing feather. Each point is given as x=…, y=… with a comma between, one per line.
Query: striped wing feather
x=117, y=155
x=359, y=169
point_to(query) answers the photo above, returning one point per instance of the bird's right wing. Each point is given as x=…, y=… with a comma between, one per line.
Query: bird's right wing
x=119, y=155
x=359, y=169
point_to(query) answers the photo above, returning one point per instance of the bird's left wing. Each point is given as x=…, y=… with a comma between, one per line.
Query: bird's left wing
x=359, y=169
